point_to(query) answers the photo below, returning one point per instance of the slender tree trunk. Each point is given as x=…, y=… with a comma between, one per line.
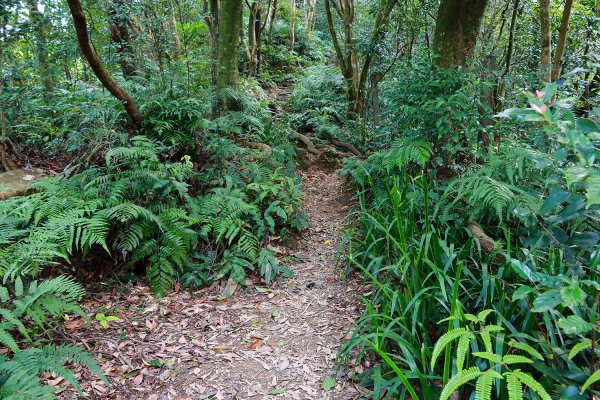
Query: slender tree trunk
x=348, y=56
x=501, y=92
x=292, y=24
x=96, y=64
x=561, y=44
x=272, y=16
x=545, y=40
x=120, y=35
x=456, y=30
x=39, y=27
x=171, y=26
x=310, y=16
x=253, y=37
x=230, y=24
x=5, y=160
x=375, y=78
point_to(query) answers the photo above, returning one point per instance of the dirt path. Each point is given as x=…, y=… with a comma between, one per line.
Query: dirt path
x=271, y=343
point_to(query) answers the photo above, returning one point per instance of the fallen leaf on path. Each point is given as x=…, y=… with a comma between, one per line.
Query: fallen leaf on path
x=278, y=391
x=257, y=344
x=138, y=379
x=328, y=383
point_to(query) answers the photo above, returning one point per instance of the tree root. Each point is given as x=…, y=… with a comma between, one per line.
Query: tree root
x=264, y=150
x=348, y=147
x=488, y=245
x=310, y=146
x=7, y=162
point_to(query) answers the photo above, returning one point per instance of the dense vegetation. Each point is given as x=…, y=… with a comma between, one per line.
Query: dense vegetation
x=468, y=130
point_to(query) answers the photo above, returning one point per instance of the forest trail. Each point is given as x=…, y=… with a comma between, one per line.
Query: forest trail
x=265, y=343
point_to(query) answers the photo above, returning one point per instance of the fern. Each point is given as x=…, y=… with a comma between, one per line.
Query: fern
x=483, y=387
x=499, y=186
x=405, y=151
x=459, y=380
x=497, y=361
x=579, y=347
x=444, y=340
x=529, y=381
x=595, y=377
x=461, y=349
x=514, y=387
x=19, y=376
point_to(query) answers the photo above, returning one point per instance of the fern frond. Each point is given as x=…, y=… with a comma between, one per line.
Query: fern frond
x=579, y=347
x=526, y=348
x=483, y=387
x=514, y=387
x=534, y=385
x=595, y=377
x=459, y=380
x=461, y=349
x=444, y=340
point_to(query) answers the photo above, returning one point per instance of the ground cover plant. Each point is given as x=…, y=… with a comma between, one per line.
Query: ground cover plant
x=172, y=153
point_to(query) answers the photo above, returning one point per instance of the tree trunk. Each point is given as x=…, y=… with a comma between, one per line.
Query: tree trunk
x=171, y=26
x=272, y=16
x=348, y=57
x=119, y=32
x=456, y=30
x=253, y=37
x=545, y=40
x=96, y=64
x=5, y=160
x=561, y=44
x=501, y=91
x=375, y=78
x=310, y=16
x=230, y=23
x=292, y=24
x=39, y=27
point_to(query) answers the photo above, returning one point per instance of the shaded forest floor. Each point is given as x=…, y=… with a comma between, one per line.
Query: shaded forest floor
x=278, y=342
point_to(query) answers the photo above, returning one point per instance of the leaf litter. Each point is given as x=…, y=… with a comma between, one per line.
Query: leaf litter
x=278, y=342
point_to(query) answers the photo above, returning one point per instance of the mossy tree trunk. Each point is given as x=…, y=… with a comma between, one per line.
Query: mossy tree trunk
x=456, y=30
x=545, y=40
x=271, y=21
x=96, y=64
x=228, y=42
x=119, y=32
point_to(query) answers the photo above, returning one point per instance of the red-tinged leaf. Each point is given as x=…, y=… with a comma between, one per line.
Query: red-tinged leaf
x=138, y=379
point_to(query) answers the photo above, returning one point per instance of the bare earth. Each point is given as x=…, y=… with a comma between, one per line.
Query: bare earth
x=275, y=343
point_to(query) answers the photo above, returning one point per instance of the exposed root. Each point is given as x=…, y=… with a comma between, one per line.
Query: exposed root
x=264, y=150
x=488, y=245
x=348, y=147
x=310, y=146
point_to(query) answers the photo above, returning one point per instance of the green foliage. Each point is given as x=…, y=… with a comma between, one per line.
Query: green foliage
x=411, y=245
x=101, y=209
x=317, y=97
x=443, y=107
x=20, y=375
x=498, y=361
x=26, y=310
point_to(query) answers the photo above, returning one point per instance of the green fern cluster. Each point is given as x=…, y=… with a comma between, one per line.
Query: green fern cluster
x=494, y=189
x=130, y=207
x=238, y=218
x=403, y=154
x=33, y=308
x=500, y=361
